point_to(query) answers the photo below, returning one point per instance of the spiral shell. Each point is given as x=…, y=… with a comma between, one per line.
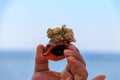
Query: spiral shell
x=60, y=39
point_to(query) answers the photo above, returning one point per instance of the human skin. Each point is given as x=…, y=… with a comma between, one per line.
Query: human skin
x=75, y=68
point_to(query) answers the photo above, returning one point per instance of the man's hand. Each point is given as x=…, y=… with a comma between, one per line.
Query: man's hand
x=75, y=68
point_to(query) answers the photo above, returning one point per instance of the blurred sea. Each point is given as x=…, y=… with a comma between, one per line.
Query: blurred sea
x=19, y=65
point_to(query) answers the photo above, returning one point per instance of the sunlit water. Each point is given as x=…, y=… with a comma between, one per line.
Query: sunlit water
x=19, y=65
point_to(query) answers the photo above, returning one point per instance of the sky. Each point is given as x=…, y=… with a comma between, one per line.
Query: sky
x=96, y=23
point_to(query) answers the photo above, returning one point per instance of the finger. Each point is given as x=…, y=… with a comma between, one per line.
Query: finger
x=75, y=54
x=66, y=75
x=78, y=77
x=76, y=67
x=99, y=77
x=41, y=63
x=72, y=47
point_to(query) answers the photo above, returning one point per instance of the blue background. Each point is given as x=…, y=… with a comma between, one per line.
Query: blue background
x=23, y=25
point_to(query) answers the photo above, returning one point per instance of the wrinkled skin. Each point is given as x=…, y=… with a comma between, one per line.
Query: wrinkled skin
x=75, y=68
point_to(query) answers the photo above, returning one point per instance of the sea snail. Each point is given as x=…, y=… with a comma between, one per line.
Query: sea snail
x=60, y=39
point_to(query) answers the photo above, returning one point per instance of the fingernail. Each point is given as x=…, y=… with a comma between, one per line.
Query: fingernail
x=67, y=53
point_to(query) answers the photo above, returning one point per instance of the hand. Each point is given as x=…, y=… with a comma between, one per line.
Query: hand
x=75, y=69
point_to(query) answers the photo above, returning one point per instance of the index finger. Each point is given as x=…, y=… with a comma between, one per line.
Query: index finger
x=73, y=51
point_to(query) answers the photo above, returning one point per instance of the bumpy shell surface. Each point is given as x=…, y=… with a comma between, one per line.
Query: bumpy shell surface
x=60, y=35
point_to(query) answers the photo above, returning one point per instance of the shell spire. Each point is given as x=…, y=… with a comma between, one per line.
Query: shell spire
x=60, y=35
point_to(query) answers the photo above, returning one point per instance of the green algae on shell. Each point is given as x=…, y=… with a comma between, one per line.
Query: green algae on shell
x=60, y=35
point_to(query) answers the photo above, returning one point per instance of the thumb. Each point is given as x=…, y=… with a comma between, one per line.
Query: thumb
x=41, y=63
x=99, y=77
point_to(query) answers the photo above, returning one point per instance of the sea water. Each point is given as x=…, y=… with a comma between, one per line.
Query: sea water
x=19, y=65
